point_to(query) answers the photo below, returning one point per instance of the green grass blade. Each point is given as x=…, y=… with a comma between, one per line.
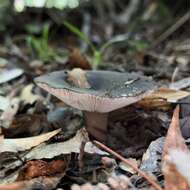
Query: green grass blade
x=80, y=34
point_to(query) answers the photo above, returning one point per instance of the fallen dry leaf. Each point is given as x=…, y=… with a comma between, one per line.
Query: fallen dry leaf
x=92, y=149
x=174, y=139
x=21, y=144
x=163, y=97
x=170, y=95
x=39, y=168
x=76, y=59
x=55, y=149
x=7, y=75
x=175, y=156
x=72, y=145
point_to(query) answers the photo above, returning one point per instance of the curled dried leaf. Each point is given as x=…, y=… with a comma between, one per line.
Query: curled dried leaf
x=21, y=144
x=174, y=139
x=176, y=157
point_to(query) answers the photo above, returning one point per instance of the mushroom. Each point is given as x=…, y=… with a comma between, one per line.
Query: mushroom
x=96, y=93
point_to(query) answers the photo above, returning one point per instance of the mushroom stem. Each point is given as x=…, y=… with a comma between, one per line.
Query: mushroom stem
x=96, y=124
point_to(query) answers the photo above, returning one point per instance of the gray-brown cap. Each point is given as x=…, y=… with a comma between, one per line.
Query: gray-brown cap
x=107, y=90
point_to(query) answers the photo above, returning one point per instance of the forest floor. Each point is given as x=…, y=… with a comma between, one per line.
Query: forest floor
x=43, y=142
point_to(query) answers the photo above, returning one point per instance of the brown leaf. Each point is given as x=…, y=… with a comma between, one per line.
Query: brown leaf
x=76, y=59
x=39, y=168
x=153, y=103
x=170, y=95
x=162, y=97
x=174, y=139
x=176, y=156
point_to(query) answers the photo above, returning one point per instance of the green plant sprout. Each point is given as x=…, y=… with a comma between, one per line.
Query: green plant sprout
x=97, y=52
x=40, y=46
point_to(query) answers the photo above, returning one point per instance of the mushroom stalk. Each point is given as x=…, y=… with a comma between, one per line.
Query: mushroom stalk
x=96, y=124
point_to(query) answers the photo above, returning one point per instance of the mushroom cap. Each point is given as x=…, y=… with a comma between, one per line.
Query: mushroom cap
x=108, y=90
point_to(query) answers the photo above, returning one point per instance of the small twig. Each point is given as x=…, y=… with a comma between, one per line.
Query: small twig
x=171, y=29
x=82, y=152
x=143, y=174
x=174, y=75
x=81, y=156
